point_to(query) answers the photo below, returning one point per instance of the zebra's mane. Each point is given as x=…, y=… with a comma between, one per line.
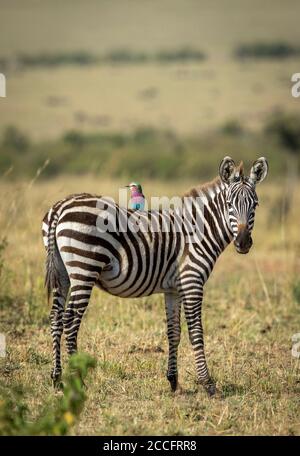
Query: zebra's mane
x=210, y=189
x=207, y=190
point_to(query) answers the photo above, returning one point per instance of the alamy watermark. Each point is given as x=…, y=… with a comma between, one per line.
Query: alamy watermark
x=296, y=87
x=179, y=215
x=296, y=345
x=2, y=345
x=2, y=86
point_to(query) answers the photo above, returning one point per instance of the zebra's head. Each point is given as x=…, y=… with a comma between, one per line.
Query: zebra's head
x=241, y=198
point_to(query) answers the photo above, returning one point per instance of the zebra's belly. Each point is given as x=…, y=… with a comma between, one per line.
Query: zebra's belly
x=128, y=285
x=128, y=293
x=125, y=290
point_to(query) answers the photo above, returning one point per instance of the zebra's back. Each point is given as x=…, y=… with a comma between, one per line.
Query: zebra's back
x=124, y=263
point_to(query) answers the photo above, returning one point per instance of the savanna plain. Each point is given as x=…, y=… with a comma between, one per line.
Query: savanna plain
x=251, y=312
x=73, y=127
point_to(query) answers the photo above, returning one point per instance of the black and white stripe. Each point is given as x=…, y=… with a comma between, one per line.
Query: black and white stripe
x=135, y=264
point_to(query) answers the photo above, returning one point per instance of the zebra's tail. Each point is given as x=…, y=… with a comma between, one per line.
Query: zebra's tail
x=52, y=279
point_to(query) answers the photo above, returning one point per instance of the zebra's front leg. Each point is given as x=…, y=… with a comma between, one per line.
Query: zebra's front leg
x=192, y=297
x=173, y=308
x=56, y=325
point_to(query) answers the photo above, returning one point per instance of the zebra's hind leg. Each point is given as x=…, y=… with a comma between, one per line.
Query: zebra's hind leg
x=173, y=310
x=78, y=301
x=56, y=324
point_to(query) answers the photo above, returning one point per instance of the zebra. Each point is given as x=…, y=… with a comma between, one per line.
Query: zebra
x=136, y=264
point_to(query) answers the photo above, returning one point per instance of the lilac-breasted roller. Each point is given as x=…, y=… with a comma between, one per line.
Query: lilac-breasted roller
x=137, y=199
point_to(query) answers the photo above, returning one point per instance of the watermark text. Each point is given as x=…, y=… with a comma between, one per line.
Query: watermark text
x=296, y=87
x=2, y=346
x=2, y=86
x=160, y=214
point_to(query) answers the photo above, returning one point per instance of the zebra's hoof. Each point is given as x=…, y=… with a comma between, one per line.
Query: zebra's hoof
x=58, y=385
x=56, y=380
x=211, y=389
x=173, y=379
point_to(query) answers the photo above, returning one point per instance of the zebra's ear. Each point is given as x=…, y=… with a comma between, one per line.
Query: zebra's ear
x=259, y=171
x=227, y=170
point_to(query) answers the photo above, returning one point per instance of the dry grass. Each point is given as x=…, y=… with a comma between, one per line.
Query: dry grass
x=250, y=316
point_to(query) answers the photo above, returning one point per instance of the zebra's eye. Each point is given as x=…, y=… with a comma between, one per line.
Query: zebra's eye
x=229, y=204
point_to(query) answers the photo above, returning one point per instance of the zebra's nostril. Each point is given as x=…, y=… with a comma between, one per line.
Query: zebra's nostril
x=243, y=241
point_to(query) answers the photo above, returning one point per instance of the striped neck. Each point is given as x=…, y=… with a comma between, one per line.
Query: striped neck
x=211, y=201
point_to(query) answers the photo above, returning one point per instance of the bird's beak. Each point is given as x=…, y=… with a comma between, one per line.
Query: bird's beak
x=127, y=186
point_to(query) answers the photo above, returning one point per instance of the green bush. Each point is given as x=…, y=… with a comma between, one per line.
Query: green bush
x=13, y=138
x=232, y=127
x=57, y=420
x=185, y=54
x=121, y=56
x=286, y=127
x=261, y=50
x=56, y=59
x=152, y=153
x=74, y=138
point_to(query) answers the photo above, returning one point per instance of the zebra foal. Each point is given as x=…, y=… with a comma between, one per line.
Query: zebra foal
x=139, y=263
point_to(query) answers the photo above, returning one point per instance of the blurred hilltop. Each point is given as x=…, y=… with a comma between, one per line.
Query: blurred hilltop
x=149, y=89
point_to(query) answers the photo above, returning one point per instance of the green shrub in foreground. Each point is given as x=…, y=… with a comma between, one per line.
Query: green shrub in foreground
x=56, y=420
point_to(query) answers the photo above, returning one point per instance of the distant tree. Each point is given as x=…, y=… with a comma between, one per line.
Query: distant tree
x=264, y=50
x=287, y=128
x=15, y=139
x=74, y=138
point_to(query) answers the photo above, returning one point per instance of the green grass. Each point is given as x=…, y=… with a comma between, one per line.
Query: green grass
x=251, y=312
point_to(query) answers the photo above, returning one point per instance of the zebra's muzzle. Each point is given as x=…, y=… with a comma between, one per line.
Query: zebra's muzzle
x=243, y=242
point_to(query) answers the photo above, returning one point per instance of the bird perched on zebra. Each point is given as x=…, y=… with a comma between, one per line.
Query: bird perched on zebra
x=137, y=199
x=132, y=263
